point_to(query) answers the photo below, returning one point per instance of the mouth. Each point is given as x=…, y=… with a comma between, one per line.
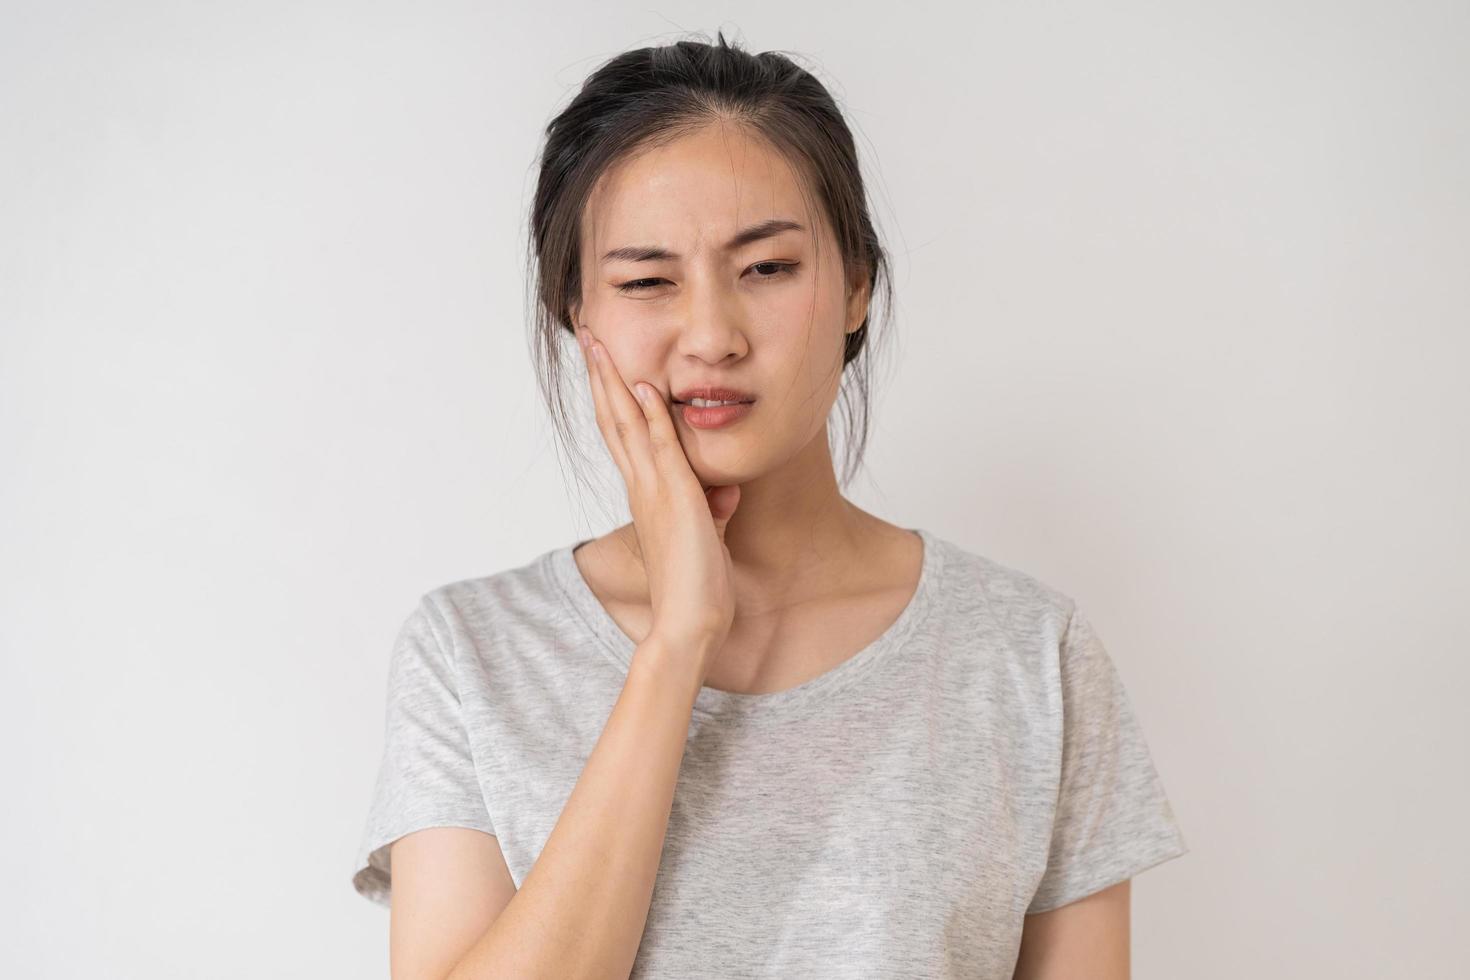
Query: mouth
x=713, y=417
x=712, y=396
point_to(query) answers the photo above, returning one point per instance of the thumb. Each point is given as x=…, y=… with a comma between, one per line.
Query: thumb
x=722, y=504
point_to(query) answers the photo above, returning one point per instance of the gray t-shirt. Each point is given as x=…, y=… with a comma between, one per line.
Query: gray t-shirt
x=896, y=816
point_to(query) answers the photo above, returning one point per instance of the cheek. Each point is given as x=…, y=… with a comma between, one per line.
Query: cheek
x=810, y=375
x=635, y=353
x=810, y=317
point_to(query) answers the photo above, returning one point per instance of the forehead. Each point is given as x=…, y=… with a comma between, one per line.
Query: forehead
x=694, y=191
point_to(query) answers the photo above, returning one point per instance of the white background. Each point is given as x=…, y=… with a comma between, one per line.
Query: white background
x=1181, y=330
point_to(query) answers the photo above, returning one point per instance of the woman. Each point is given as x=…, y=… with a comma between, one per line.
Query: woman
x=756, y=731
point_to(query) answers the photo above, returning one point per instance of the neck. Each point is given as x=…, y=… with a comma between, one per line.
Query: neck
x=793, y=521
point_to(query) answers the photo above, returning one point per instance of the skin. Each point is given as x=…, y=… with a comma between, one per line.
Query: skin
x=1086, y=938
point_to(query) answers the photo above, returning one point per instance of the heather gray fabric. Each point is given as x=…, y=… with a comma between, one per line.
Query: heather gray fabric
x=895, y=817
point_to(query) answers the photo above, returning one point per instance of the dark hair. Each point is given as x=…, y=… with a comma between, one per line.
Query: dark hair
x=651, y=96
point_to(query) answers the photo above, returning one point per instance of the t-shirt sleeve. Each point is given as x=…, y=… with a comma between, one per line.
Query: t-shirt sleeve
x=427, y=775
x=1113, y=819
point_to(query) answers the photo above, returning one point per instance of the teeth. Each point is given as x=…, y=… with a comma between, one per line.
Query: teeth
x=705, y=403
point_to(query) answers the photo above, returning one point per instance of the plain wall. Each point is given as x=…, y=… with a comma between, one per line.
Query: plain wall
x=1181, y=330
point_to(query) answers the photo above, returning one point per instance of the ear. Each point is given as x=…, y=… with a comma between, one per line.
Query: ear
x=574, y=313
x=857, y=301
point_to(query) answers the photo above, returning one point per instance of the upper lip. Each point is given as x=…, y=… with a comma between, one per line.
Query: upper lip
x=713, y=393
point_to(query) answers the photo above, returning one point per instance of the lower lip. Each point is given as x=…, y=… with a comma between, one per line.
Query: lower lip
x=712, y=418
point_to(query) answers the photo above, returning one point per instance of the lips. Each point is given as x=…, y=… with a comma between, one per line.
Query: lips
x=714, y=418
x=713, y=393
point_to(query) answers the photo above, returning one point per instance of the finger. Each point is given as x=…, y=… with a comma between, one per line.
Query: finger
x=627, y=415
x=600, y=405
x=663, y=439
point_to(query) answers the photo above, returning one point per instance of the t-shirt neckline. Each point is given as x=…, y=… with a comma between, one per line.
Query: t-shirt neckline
x=561, y=568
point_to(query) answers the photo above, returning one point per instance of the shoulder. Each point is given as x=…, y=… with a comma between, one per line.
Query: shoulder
x=464, y=612
x=532, y=579
x=1000, y=598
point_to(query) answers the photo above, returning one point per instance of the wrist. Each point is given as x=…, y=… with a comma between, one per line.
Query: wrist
x=677, y=666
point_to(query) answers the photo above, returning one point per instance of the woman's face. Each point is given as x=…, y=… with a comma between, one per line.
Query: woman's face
x=763, y=317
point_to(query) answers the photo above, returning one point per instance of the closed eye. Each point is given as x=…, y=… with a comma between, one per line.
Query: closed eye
x=782, y=269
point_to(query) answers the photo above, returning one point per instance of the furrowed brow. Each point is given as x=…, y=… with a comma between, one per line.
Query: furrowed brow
x=650, y=253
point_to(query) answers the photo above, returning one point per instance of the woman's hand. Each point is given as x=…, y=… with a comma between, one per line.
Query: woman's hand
x=680, y=525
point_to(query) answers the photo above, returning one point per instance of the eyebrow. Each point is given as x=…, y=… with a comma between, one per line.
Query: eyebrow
x=650, y=253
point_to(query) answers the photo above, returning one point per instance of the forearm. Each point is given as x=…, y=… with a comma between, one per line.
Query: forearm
x=581, y=910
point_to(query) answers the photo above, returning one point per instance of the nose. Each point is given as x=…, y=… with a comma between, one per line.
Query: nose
x=713, y=324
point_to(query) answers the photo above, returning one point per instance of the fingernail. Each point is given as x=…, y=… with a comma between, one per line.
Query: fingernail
x=642, y=392
x=596, y=350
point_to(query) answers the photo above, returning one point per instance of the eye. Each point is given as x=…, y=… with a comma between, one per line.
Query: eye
x=782, y=269
x=636, y=285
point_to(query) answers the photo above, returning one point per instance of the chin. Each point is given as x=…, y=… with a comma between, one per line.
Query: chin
x=719, y=476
